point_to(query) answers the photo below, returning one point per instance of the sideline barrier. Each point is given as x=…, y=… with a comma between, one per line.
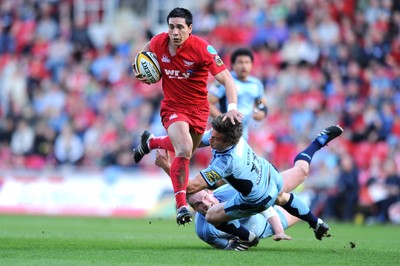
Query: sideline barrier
x=109, y=193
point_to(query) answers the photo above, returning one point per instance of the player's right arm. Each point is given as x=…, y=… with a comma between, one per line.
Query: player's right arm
x=139, y=76
x=163, y=161
x=273, y=219
x=196, y=184
x=225, y=78
x=213, y=100
x=146, y=47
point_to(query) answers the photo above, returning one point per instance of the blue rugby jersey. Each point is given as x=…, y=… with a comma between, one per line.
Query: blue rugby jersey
x=219, y=239
x=248, y=92
x=239, y=166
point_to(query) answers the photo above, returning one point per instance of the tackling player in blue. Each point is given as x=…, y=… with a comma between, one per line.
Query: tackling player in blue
x=263, y=225
x=258, y=183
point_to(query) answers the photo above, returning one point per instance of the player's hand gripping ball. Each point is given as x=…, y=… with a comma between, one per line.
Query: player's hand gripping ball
x=147, y=65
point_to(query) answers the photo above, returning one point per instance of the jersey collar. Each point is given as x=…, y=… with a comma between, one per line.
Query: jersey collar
x=226, y=150
x=188, y=41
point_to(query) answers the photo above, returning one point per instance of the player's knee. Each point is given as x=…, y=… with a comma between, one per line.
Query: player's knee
x=279, y=202
x=303, y=168
x=184, y=151
x=282, y=199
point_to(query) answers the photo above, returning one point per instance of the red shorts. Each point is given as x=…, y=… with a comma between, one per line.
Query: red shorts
x=196, y=116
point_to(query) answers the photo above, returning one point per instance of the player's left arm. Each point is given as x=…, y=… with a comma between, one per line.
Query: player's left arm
x=225, y=78
x=273, y=219
x=196, y=184
x=163, y=161
x=260, y=109
x=260, y=103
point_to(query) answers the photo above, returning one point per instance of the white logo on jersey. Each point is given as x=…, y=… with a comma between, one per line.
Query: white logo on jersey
x=188, y=63
x=173, y=116
x=171, y=72
x=165, y=59
x=176, y=74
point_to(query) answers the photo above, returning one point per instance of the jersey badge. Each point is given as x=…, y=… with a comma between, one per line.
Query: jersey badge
x=218, y=60
x=165, y=59
x=188, y=63
x=212, y=176
x=211, y=49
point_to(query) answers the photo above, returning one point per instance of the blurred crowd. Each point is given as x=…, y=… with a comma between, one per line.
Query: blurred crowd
x=68, y=95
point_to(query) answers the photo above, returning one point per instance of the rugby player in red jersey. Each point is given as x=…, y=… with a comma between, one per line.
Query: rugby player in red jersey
x=186, y=61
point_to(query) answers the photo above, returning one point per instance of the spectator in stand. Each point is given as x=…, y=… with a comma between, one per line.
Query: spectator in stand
x=343, y=199
x=80, y=37
x=59, y=53
x=297, y=15
x=47, y=27
x=6, y=130
x=43, y=144
x=91, y=140
x=68, y=147
x=37, y=72
x=386, y=189
x=13, y=92
x=102, y=65
x=207, y=20
x=22, y=138
x=376, y=47
x=7, y=20
x=298, y=49
x=327, y=33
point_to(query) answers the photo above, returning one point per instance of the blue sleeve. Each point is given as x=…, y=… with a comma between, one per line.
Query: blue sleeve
x=217, y=90
x=219, y=168
x=205, y=140
x=209, y=234
x=225, y=193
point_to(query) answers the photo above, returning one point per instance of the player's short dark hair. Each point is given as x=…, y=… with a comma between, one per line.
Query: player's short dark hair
x=232, y=132
x=180, y=12
x=241, y=51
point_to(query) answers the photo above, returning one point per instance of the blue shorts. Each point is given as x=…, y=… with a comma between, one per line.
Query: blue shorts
x=240, y=206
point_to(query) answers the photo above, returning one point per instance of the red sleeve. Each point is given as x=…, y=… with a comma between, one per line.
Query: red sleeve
x=211, y=58
x=156, y=40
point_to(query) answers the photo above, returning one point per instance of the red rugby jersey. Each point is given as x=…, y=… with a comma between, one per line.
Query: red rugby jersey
x=185, y=75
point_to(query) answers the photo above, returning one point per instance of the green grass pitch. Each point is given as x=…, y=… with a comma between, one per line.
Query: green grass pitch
x=43, y=240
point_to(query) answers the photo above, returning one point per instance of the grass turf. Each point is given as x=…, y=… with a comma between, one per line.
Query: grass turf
x=38, y=240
